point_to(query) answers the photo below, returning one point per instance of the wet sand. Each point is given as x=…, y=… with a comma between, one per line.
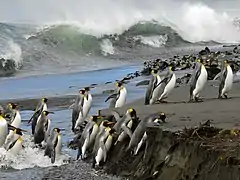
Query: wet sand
x=180, y=113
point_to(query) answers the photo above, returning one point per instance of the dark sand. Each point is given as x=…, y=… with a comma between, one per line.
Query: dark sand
x=180, y=113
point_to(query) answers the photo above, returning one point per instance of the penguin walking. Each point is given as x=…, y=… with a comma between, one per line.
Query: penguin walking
x=15, y=115
x=88, y=136
x=226, y=80
x=141, y=129
x=54, y=145
x=126, y=125
x=77, y=113
x=159, y=119
x=39, y=133
x=42, y=106
x=105, y=143
x=167, y=84
x=16, y=144
x=119, y=98
x=153, y=89
x=88, y=102
x=198, y=81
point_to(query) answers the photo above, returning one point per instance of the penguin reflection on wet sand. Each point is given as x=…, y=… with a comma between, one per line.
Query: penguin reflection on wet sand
x=226, y=80
x=54, y=145
x=153, y=89
x=118, y=98
x=198, y=81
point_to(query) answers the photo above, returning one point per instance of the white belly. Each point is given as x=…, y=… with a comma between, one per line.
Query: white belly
x=99, y=156
x=123, y=135
x=11, y=137
x=140, y=143
x=44, y=107
x=108, y=142
x=3, y=131
x=58, y=148
x=79, y=120
x=202, y=79
x=156, y=91
x=16, y=148
x=87, y=105
x=17, y=121
x=122, y=98
x=228, y=81
x=94, y=133
x=169, y=87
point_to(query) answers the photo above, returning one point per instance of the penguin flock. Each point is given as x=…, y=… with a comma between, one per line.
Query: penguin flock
x=11, y=135
x=98, y=134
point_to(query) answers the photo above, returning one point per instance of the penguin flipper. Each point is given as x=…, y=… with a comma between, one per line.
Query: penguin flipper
x=115, y=114
x=53, y=155
x=104, y=149
x=112, y=96
x=127, y=130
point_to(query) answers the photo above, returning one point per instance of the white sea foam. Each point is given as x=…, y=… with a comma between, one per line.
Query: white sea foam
x=154, y=41
x=107, y=47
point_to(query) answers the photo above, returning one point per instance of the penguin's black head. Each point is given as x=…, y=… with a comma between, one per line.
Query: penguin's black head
x=132, y=112
x=162, y=116
x=45, y=100
x=226, y=61
x=12, y=105
x=81, y=91
x=154, y=71
x=119, y=84
x=87, y=89
x=95, y=118
x=200, y=60
x=18, y=131
x=57, y=130
x=112, y=131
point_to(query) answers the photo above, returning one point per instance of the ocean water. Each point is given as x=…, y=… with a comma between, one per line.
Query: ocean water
x=52, y=49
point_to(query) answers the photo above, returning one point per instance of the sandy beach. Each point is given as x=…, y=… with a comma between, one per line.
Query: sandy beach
x=180, y=113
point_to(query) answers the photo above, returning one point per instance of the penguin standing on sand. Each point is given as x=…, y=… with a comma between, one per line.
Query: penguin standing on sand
x=226, y=80
x=88, y=136
x=77, y=113
x=119, y=98
x=42, y=106
x=198, y=81
x=153, y=89
x=54, y=145
x=167, y=84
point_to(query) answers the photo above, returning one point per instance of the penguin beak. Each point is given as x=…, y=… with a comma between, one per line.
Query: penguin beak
x=50, y=112
x=110, y=123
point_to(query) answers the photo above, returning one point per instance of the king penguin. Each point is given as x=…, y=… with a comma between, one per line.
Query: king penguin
x=153, y=90
x=54, y=145
x=167, y=84
x=42, y=106
x=87, y=102
x=198, y=81
x=88, y=136
x=226, y=80
x=77, y=113
x=119, y=98
x=3, y=129
x=15, y=115
x=16, y=146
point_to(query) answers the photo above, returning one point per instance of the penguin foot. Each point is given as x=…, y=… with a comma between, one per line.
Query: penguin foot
x=226, y=97
x=198, y=99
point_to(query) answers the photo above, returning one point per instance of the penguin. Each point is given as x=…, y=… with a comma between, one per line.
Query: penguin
x=140, y=130
x=119, y=98
x=54, y=145
x=226, y=81
x=88, y=136
x=16, y=146
x=105, y=143
x=42, y=106
x=153, y=90
x=161, y=117
x=47, y=129
x=167, y=84
x=39, y=133
x=12, y=137
x=87, y=102
x=77, y=113
x=3, y=129
x=198, y=81
x=129, y=123
x=15, y=115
